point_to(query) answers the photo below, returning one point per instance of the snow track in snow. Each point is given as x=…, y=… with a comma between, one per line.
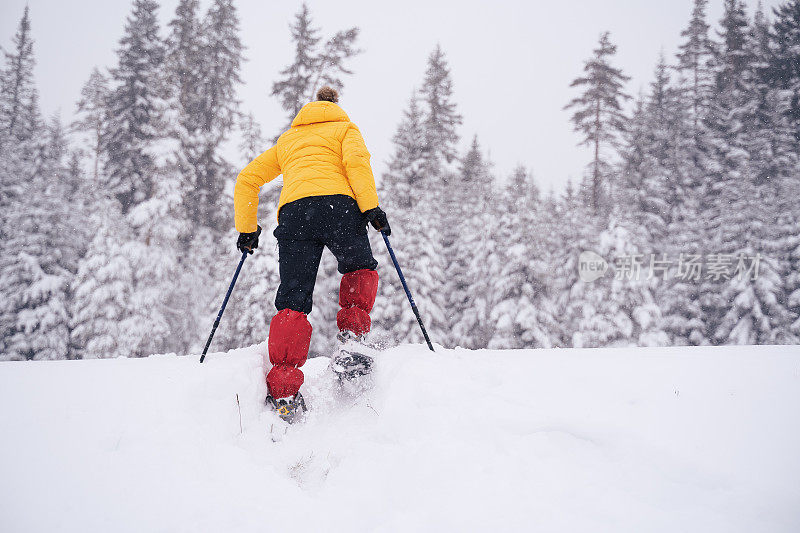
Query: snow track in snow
x=673, y=439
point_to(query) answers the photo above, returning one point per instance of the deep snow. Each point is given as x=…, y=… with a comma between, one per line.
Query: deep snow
x=677, y=439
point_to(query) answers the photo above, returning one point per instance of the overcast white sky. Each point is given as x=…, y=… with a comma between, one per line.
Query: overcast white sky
x=511, y=61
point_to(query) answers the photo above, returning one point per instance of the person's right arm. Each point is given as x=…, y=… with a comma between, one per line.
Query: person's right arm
x=355, y=158
x=259, y=171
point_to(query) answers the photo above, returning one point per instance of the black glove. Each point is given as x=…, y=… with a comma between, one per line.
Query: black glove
x=377, y=218
x=248, y=242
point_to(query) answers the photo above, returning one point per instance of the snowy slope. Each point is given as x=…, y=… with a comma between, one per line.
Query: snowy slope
x=701, y=439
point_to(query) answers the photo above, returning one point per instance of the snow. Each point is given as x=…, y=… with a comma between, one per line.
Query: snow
x=653, y=439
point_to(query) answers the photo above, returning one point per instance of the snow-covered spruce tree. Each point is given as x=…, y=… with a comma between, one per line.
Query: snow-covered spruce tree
x=738, y=311
x=748, y=309
x=469, y=208
x=607, y=311
x=312, y=66
x=574, y=231
x=163, y=290
x=619, y=308
x=549, y=249
x=729, y=184
x=331, y=60
x=733, y=99
x=185, y=70
x=695, y=88
x=440, y=124
x=21, y=150
x=402, y=199
x=102, y=288
x=598, y=114
x=131, y=295
x=19, y=105
x=222, y=52
x=79, y=200
x=679, y=296
x=441, y=120
x=91, y=118
x=72, y=197
x=646, y=176
x=791, y=220
x=522, y=315
x=412, y=192
x=405, y=174
x=53, y=228
x=775, y=165
x=771, y=145
x=784, y=77
x=610, y=311
x=252, y=141
x=185, y=64
x=785, y=60
x=293, y=88
x=135, y=109
x=203, y=62
x=20, y=119
x=650, y=188
x=695, y=63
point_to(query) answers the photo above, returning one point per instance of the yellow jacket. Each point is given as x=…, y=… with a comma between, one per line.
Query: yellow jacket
x=322, y=153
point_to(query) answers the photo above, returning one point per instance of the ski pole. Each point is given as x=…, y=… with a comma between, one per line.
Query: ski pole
x=408, y=292
x=224, y=303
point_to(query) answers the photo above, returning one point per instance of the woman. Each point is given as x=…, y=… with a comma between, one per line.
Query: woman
x=328, y=197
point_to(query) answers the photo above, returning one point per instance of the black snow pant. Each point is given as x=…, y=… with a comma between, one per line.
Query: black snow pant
x=307, y=225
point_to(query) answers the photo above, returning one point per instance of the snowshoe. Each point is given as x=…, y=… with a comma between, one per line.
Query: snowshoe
x=290, y=410
x=354, y=358
x=349, y=365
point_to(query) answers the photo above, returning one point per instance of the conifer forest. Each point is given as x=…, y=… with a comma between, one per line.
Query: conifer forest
x=117, y=226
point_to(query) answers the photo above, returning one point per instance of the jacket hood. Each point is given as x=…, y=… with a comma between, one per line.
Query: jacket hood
x=320, y=112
